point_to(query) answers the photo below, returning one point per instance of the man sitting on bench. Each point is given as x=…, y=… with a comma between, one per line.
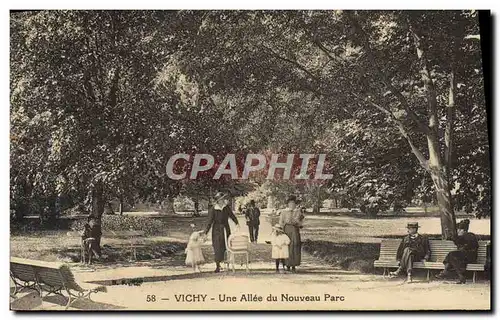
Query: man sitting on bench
x=413, y=247
x=89, y=240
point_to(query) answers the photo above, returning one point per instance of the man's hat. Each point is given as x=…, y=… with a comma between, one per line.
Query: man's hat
x=412, y=225
x=292, y=198
x=220, y=195
x=463, y=225
x=278, y=227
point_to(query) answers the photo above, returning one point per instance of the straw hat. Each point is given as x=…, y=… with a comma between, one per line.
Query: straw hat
x=412, y=225
x=220, y=196
x=278, y=227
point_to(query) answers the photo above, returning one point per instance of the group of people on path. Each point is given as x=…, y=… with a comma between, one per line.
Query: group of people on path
x=286, y=242
x=415, y=247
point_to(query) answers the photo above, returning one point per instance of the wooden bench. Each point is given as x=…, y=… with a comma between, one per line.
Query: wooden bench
x=388, y=252
x=133, y=238
x=53, y=278
x=439, y=250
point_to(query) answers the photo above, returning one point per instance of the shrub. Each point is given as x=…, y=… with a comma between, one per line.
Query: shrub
x=150, y=226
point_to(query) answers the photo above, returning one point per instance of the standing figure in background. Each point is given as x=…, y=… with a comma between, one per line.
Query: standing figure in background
x=218, y=221
x=413, y=247
x=291, y=222
x=252, y=215
x=457, y=261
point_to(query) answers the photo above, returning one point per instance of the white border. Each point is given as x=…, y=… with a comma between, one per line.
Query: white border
x=190, y=4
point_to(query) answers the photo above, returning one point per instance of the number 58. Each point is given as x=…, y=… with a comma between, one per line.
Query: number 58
x=150, y=298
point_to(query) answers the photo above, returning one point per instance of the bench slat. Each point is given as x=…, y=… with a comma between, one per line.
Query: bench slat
x=439, y=249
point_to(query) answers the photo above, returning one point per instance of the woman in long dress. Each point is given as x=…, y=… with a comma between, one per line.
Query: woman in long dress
x=218, y=221
x=291, y=222
x=456, y=261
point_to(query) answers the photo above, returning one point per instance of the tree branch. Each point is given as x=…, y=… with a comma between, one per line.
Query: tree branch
x=421, y=158
x=427, y=79
x=295, y=63
x=413, y=116
x=448, y=135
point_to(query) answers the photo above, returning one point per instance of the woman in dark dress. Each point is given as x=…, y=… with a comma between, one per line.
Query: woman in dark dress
x=291, y=221
x=218, y=220
x=457, y=261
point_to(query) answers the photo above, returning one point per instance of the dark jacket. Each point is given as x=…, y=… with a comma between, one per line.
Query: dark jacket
x=468, y=244
x=418, y=245
x=252, y=214
x=218, y=218
x=218, y=221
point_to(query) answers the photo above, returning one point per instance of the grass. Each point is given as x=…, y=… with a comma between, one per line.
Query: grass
x=354, y=243
x=61, y=245
x=347, y=242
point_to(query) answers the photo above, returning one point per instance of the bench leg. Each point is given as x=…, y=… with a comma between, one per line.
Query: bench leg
x=474, y=277
x=226, y=259
x=247, y=260
x=428, y=275
x=385, y=271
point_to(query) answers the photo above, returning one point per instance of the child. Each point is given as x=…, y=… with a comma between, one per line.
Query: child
x=194, y=256
x=280, y=242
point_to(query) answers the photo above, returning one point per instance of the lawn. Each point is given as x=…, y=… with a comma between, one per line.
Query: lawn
x=353, y=243
x=343, y=241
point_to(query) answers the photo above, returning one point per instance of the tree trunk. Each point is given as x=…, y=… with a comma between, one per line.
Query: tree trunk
x=98, y=204
x=169, y=205
x=98, y=201
x=444, y=201
x=121, y=206
x=317, y=205
x=196, y=202
x=442, y=185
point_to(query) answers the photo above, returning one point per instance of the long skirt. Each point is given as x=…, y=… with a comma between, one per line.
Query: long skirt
x=218, y=242
x=295, y=247
x=458, y=260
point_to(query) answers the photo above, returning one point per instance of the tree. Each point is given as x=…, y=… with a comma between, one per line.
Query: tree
x=85, y=117
x=402, y=66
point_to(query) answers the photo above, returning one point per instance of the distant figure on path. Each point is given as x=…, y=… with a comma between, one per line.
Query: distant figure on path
x=290, y=221
x=413, y=247
x=218, y=221
x=252, y=215
x=457, y=261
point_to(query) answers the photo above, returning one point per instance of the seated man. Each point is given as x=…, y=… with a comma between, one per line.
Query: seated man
x=413, y=247
x=89, y=241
